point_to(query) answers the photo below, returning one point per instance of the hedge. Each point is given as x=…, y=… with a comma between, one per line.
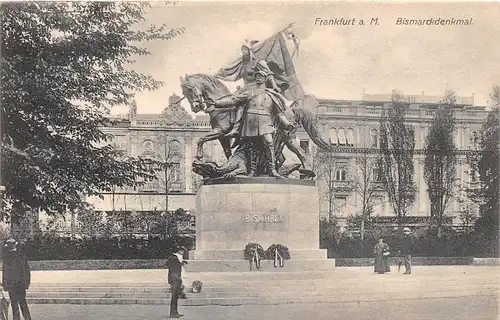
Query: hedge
x=62, y=248
x=427, y=244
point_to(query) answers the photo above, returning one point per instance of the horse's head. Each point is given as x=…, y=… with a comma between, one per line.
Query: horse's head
x=193, y=91
x=199, y=87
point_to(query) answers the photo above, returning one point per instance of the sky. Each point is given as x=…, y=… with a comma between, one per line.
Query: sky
x=334, y=62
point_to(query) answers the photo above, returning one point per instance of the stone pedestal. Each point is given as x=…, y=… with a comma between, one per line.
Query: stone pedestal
x=234, y=212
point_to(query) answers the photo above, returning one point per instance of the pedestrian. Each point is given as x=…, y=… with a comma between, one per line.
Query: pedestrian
x=381, y=252
x=16, y=278
x=407, y=249
x=175, y=265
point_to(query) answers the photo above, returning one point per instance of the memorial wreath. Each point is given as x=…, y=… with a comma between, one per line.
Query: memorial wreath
x=279, y=253
x=254, y=253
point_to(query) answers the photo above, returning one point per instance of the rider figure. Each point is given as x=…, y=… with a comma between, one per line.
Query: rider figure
x=262, y=107
x=246, y=70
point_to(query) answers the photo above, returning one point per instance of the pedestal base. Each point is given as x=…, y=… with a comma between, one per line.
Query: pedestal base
x=234, y=212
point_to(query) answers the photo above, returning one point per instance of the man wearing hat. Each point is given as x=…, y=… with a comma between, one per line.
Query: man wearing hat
x=16, y=278
x=264, y=109
x=407, y=249
x=174, y=264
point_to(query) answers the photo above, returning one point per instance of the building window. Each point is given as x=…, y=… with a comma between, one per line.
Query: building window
x=174, y=145
x=333, y=136
x=377, y=174
x=304, y=144
x=341, y=175
x=342, y=136
x=474, y=177
x=150, y=183
x=174, y=174
x=374, y=138
x=474, y=140
x=350, y=137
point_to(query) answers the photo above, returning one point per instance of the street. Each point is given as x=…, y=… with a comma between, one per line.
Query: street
x=466, y=308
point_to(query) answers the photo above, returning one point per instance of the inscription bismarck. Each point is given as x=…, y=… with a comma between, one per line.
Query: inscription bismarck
x=267, y=218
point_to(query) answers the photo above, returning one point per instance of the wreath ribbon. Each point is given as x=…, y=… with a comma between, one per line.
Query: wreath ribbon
x=255, y=258
x=278, y=259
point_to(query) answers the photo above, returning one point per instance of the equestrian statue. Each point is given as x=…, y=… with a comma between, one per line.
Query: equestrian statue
x=255, y=116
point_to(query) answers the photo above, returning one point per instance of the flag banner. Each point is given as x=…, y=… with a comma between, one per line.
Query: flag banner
x=278, y=259
x=275, y=52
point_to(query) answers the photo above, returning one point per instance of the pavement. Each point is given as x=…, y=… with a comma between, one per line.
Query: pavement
x=357, y=293
x=156, y=276
x=464, y=308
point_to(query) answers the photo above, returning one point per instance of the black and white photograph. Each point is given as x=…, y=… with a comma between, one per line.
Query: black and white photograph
x=249, y=160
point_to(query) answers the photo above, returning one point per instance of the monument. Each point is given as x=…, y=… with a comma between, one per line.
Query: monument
x=251, y=199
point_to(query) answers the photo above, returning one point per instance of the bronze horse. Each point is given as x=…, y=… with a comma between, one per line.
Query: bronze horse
x=198, y=88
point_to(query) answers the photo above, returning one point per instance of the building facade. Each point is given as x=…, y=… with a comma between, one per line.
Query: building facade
x=351, y=127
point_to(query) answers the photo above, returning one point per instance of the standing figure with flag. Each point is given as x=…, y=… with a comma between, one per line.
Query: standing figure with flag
x=246, y=70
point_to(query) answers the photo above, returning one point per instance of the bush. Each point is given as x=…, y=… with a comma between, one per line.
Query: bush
x=52, y=247
x=427, y=243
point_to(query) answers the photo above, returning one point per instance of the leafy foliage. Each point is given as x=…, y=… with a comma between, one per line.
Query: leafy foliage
x=64, y=65
x=440, y=159
x=366, y=174
x=92, y=223
x=485, y=162
x=397, y=143
x=325, y=166
x=48, y=246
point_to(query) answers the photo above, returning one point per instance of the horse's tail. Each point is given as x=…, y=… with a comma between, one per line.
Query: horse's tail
x=308, y=121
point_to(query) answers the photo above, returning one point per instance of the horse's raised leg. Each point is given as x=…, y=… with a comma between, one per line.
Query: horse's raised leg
x=215, y=133
x=226, y=146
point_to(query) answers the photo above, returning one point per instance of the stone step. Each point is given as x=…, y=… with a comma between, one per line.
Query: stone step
x=156, y=277
x=330, y=298
x=270, y=282
x=278, y=287
x=237, y=254
x=244, y=283
x=233, y=293
x=292, y=265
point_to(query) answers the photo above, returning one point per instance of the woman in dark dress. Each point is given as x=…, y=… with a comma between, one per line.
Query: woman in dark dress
x=381, y=252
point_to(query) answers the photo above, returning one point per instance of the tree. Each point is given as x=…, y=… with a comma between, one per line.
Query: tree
x=63, y=67
x=329, y=234
x=440, y=160
x=397, y=143
x=326, y=169
x=485, y=162
x=468, y=209
x=365, y=181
